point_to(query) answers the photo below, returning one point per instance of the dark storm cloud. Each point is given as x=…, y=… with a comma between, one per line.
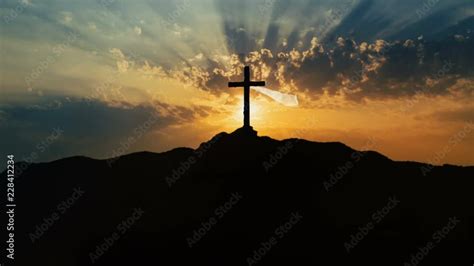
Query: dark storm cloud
x=78, y=127
x=365, y=49
x=381, y=69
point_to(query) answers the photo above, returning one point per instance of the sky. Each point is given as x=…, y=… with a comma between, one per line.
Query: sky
x=103, y=78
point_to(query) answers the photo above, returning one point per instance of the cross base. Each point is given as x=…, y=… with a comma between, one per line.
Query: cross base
x=245, y=131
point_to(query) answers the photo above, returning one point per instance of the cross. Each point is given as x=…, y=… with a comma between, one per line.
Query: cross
x=246, y=84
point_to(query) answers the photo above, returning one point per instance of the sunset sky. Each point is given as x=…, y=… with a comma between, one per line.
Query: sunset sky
x=117, y=76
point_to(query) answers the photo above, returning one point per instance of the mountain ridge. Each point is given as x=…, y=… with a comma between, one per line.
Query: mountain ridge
x=225, y=134
x=236, y=189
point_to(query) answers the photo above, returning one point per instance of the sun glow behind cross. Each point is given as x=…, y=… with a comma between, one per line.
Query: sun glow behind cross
x=264, y=113
x=257, y=114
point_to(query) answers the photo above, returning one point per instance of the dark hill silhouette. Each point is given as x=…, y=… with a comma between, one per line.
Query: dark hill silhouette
x=266, y=184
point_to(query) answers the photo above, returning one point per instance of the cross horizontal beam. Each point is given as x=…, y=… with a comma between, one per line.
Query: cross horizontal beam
x=245, y=84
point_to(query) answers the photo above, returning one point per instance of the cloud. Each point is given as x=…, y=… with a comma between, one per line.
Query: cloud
x=90, y=128
x=137, y=30
x=358, y=70
x=465, y=114
x=66, y=17
x=122, y=62
x=370, y=20
x=303, y=37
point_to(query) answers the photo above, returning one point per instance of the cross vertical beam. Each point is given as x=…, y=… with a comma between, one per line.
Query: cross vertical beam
x=246, y=96
x=246, y=84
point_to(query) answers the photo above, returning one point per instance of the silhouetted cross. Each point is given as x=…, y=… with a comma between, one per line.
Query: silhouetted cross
x=246, y=84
